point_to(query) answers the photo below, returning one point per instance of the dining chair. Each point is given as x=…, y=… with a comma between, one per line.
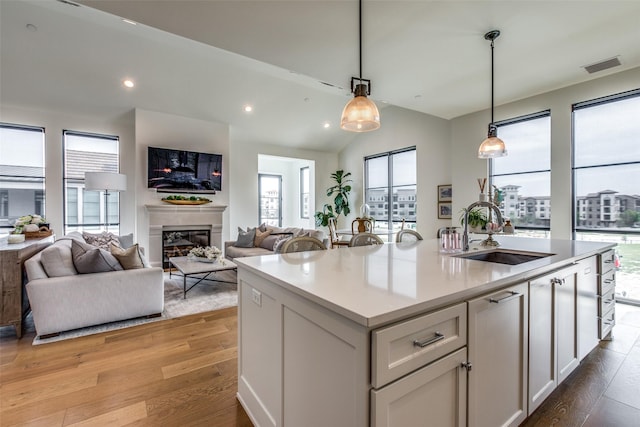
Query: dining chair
x=363, y=225
x=365, y=239
x=302, y=244
x=408, y=236
x=334, y=238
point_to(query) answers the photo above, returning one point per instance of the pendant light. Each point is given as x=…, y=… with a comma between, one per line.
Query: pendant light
x=360, y=114
x=492, y=146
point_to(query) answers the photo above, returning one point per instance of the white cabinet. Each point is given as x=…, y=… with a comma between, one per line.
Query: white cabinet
x=587, y=305
x=553, y=348
x=435, y=395
x=497, y=348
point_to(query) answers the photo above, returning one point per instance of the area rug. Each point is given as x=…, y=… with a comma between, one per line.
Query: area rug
x=206, y=296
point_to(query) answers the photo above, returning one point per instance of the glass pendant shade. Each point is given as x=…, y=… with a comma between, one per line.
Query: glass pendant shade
x=360, y=114
x=492, y=147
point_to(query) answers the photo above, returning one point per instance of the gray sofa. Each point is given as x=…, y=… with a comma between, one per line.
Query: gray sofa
x=79, y=300
x=266, y=246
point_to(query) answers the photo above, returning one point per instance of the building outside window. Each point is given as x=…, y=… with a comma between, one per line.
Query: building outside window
x=523, y=177
x=390, y=181
x=304, y=192
x=22, y=173
x=86, y=210
x=606, y=175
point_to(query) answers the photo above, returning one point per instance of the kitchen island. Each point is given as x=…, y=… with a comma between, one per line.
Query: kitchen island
x=399, y=334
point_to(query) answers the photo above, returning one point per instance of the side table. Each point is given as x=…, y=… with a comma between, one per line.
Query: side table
x=12, y=258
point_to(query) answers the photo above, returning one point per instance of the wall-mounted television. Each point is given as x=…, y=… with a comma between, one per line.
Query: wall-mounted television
x=171, y=171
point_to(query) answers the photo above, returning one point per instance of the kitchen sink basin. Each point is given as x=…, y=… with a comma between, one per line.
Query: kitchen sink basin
x=504, y=256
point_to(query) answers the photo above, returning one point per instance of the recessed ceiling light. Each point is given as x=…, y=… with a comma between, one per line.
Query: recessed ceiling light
x=128, y=83
x=128, y=21
x=248, y=108
x=326, y=125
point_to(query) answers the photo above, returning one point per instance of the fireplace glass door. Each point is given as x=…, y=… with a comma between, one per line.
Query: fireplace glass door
x=179, y=243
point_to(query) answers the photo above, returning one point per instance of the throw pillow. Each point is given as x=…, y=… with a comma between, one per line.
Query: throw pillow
x=102, y=240
x=245, y=238
x=277, y=247
x=57, y=261
x=269, y=241
x=129, y=258
x=90, y=259
x=260, y=236
x=126, y=241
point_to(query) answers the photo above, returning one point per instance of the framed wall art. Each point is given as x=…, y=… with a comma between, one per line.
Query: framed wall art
x=444, y=210
x=444, y=193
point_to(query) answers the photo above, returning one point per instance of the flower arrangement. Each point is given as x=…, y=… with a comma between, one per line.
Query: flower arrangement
x=28, y=223
x=209, y=253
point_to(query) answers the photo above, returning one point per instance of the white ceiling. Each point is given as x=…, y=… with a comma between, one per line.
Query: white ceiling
x=206, y=59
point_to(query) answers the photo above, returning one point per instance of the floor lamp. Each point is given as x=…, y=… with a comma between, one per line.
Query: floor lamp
x=107, y=182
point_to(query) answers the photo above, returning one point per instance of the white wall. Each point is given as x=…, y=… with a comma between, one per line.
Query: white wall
x=402, y=128
x=176, y=132
x=55, y=123
x=243, y=202
x=467, y=132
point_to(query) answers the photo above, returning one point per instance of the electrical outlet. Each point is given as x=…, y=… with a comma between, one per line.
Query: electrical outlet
x=256, y=297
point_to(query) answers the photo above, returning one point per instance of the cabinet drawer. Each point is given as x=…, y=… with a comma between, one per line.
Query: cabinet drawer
x=607, y=261
x=607, y=280
x=607, y=301
x=404, y=347
x=606, y=323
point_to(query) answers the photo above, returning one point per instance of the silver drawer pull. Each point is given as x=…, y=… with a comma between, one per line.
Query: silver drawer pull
x=512, y=295
x=428, y=341
x=607, y=281
x=608, y=261
x=556, y=281
x=608, y=301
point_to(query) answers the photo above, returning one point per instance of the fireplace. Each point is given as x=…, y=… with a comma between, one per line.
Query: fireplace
x=179, y=242
x=185, y=219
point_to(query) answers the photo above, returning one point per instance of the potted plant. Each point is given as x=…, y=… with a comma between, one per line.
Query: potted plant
x=340, y=193
x=477, y=219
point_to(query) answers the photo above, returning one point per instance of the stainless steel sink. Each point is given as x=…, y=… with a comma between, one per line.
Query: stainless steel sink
x=502, y=256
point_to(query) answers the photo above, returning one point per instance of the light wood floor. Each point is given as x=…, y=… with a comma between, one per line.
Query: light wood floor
x=177, y=372
x=183, y=372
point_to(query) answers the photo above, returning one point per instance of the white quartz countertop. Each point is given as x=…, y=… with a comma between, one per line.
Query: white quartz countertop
x=376, y=285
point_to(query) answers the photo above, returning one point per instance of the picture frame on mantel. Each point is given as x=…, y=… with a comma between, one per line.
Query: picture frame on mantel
x=444, y=193
x=444, y=210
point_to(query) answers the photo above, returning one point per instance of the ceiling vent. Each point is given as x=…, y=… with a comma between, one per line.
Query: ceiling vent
x=602, y=65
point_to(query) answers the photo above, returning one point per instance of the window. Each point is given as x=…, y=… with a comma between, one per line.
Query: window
x=270, y=203
x=391, y=173
x=304, y=192
x=21, y=176
x=606, y=176
x=86, y=210
x=524, y=175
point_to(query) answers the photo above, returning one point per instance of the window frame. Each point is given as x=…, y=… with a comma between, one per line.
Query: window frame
x=42, y=179
x=302, y=181
x=575, y=229
x=81, y=190
x=390, y=203
x=512, y=121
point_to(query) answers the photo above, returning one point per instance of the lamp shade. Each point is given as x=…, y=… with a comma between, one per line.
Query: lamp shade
x=101, y=181
x=360, y=114
x=492, y=147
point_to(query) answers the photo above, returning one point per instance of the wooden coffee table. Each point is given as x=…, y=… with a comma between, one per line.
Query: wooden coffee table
x=189, y=267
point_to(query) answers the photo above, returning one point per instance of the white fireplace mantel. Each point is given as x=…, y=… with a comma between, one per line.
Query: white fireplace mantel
x=184, y=217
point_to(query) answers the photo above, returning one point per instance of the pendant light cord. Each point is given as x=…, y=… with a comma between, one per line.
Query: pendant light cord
x=360, y=36
x=492, y=81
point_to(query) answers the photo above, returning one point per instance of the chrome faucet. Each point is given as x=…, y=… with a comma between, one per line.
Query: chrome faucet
x=465, y=235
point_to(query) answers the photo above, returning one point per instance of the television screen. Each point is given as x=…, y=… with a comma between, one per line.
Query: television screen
x=171, y=171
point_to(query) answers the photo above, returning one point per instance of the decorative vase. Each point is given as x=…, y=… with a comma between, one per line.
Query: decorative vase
x=16, y=238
